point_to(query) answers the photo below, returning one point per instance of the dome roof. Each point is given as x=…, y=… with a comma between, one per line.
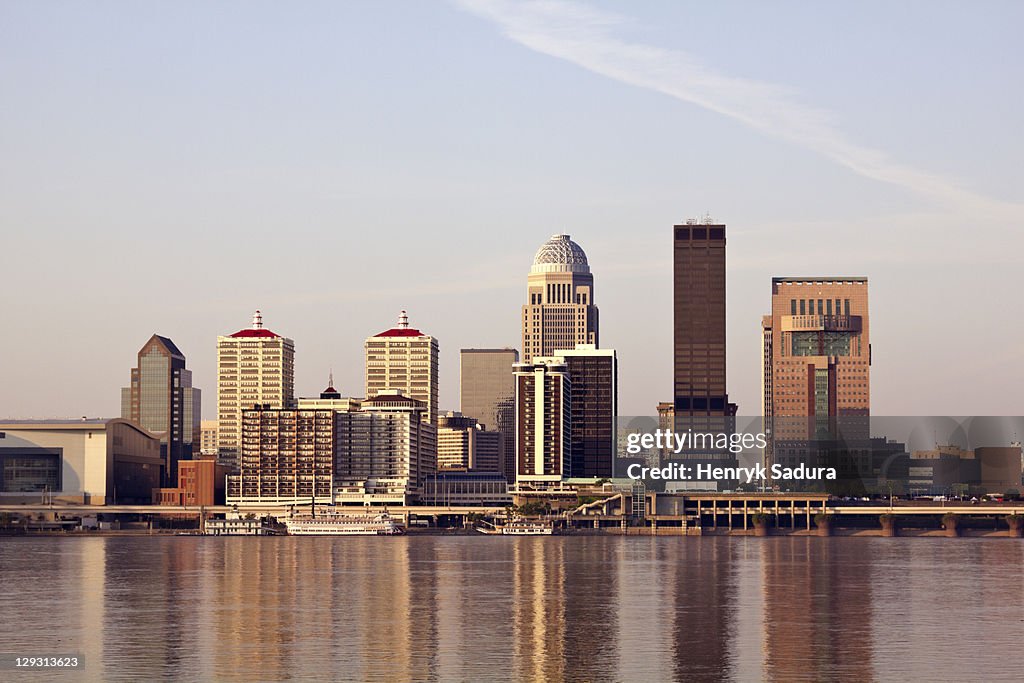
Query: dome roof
x=559, y=255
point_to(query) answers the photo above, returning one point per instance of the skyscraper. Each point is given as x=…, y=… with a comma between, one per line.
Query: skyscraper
x=161, y=400
x=593, y=374
x=255, y=367
x=699, y=321
x=816, y=359
x=543, y=423
x=560, y=312
x=487, y=392
x=406, y=360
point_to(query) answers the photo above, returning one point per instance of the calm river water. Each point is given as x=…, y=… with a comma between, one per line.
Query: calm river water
x=516, y=609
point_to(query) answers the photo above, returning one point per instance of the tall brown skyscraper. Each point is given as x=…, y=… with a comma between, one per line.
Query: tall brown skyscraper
x=699, y=321
x=561, y=311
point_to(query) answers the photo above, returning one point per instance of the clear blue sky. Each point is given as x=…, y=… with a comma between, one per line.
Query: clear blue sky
x=170, y=166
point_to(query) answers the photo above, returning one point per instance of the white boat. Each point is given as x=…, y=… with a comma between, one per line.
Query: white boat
x=339, y=524
x=520, y=527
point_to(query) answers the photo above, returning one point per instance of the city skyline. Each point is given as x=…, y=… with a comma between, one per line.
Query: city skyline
x=514, y=139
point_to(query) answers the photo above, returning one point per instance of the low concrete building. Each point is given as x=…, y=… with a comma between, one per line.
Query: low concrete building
x=466, y=488
x=986, y=469
x=999, y=468
x=92, y=462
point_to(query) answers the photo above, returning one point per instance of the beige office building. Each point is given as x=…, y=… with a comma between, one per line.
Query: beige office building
x=560, y=312
x=208, y=437
x=255, y=367
x=463, y=444
x=406, y=360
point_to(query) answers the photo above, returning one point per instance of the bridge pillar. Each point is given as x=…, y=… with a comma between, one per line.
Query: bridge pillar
x=951, y=524
x=888, y=523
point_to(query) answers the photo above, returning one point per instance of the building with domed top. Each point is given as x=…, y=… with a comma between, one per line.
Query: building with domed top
x=560, y=311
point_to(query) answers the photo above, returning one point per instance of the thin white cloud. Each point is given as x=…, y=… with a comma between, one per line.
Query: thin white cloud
x=584, y=36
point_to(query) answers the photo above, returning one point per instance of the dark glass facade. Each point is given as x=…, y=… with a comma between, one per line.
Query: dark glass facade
x=699, y=321
x=592, y=440
x=161, y=400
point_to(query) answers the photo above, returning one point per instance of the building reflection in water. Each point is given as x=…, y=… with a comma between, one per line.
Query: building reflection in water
x=699, y=590
x=517, y=609
x=538, y=610
x=818, y=611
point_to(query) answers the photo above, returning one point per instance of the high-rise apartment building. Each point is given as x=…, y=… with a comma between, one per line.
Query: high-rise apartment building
x=816, y=379
x=255, y=367
x=385, y=452
x=543, y=423
x=406, y=360
x=699, y=320
x=463, y=444
x=593, y=374
x=287, y=457
x=162, y=400
x=487, y=392
x=560, y=312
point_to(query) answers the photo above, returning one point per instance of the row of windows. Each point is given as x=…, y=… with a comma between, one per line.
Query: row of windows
x=824, y=307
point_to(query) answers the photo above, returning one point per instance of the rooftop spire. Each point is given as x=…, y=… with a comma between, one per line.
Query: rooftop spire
x=330, y=378
x=403, y=320
x=257, y=320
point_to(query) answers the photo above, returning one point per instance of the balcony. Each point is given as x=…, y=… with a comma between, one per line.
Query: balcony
x=827, y=323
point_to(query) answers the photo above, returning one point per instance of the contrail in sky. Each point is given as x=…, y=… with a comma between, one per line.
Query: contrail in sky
x=584, y=36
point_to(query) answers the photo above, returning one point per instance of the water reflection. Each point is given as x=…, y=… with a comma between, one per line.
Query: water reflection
x=551, y=609
x=818, y=610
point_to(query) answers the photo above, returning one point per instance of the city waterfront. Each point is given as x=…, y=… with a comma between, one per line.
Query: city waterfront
x=469, y=609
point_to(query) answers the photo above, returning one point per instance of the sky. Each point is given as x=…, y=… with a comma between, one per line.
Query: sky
x=169, y=167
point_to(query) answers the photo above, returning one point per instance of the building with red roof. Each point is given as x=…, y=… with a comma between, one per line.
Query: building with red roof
x=404, y=359
x=255, y=367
